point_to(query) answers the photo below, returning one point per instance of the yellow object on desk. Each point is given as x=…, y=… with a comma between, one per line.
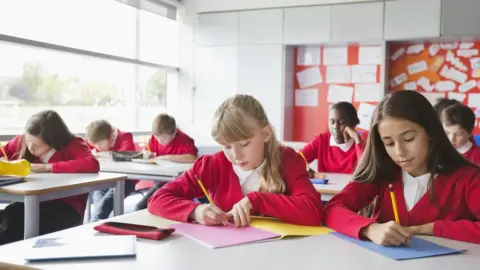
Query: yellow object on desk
x=15, y=167
x=286, y=229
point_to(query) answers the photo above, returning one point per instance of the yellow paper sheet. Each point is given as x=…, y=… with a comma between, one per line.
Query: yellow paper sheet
x=286, y=229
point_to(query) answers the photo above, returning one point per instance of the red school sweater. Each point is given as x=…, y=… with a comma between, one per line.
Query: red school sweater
x=457, y=216
x=182, y=144
x=124, y=142
x=301, y=203
x=76, y=157
x=331, y=158
x=473, y=154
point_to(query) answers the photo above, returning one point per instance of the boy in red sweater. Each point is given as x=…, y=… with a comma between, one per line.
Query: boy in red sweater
x=50, y=147
x=254, y=175
x=437, y=190
x=458, y=122
x=167, y=143
x=339, y=150
x=103, y=137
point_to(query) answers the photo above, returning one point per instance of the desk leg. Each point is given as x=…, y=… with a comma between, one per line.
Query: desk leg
x=119, y=198
x=32, y=217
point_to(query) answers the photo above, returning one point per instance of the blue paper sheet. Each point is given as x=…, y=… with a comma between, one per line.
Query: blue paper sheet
x=417, y=248
x=319, y=181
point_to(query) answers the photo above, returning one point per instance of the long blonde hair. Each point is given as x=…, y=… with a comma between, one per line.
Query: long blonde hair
x=230, y=125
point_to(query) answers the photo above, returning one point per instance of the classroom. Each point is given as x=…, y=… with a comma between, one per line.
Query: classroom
x=240, y=134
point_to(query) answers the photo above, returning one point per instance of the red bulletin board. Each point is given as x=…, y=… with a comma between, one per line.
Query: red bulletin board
x=311, y=118
x=449, y=69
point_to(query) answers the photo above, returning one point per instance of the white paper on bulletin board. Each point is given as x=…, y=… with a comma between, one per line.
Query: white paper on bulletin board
x=474, y=100
x=308, y=56
x=338, y=74
x=338, y=93
x=335, y=56
x=365, y=112
x=364, y=74
x=368, y=92
x=306, y=97
x=309, y=77
x=370, y=55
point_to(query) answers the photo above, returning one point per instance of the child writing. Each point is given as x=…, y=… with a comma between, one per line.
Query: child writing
x=103, y=137
x=458, y=122
x=437, y=191
x=167, y=143
x=49, y=146
x=253, y=175
x=336, y=151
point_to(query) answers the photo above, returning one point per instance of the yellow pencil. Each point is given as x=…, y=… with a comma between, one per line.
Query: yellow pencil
x=394, y=204
x=304, y=158
x=3, y=152
x=204, y=190
x=148, y=147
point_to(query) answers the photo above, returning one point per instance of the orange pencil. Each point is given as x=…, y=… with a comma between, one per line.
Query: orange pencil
x=148, y=147
x=204, y=190
x=3, y=152
x=304, y=158
x=394, y=203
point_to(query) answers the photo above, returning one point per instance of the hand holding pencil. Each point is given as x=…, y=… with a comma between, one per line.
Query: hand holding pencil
x=208, y=214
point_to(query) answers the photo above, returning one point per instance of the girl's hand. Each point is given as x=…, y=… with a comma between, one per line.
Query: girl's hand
x=240, y=213
x=350, y=133
x=387, y=234
x=40, y=167
x=207, y=214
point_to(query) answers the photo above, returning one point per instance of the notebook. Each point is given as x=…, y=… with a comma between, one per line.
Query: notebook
x=8, y=180
x=54, y=249
x=417, y=248
x=222, y=236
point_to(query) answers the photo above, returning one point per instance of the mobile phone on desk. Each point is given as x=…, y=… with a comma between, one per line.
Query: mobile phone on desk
x=319, y=181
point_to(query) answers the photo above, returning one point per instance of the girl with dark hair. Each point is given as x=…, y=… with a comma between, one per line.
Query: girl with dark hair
x=49, y=146
x=338, y=150
x=408, y=150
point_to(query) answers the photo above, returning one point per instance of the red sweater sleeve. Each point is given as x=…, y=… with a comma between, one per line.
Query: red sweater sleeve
x=360, y=147
x=463, y=230
x=301, y=206
x=13, y=147
x=341, y=212
x=82, y=160
x=174, y=200
x=126, y=142
x=310, y=151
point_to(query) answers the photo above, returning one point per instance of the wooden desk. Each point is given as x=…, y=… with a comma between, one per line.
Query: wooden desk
x=181, y=253
x=47, y=186
x=336, y=182
x=144, y=171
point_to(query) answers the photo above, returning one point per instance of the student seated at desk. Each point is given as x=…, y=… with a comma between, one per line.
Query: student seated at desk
x=167, y=143
x=437, y=191
x=49, y=146
x=458, y=122
x=254, y=175
x=103, y=137
x=336, y=151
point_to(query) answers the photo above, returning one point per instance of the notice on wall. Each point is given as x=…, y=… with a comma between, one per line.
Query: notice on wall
x=370, y=55
x=365, y=113
x=309, y=77
x=338, y=74
x=338, y=93
x=474, y=100
x=368, y=92
x=306, y=97
x=308, y=56
x=364, y=74
x=335, y=56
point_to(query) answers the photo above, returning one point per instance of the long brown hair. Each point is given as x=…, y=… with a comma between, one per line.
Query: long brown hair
x=50, y=128
x=376, y=166
x=231, y=125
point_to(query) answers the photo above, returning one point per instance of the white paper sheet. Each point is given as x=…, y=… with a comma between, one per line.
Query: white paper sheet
x=308, y=56
x=338, y=74
x=365, y=112
x=306, y=97
x=424, y=82
x=368, y=92
x=399, y=79
x=477, y=113
x=453, y=74
x=449, y=45
x=414, y=49
x=445, y=86
x=466, y=45
x=398, y=53
x=455, y=61
x=467, y=53
x=337, y=93
x=410, y=86
x=457, y=96
x=475, y=64
x=467, y=86
x=370, y=55
x=335, y=56
x=417, y=67
x=309, y=77
x=364, y=74
x=433, y=49
x=474, y=100
x=433, y=97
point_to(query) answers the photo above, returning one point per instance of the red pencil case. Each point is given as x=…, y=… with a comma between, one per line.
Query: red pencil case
x=141, y=231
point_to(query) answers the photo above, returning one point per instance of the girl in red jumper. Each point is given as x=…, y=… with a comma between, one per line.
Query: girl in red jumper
x=458, y=121
x=437, y=190
x=254, y=175
x=50, y=147
x=338, y=150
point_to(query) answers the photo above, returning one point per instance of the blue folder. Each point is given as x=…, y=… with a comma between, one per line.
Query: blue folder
x=417, y=248
x=319, y=181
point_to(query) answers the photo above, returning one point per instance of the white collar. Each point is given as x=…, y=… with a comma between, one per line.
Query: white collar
x=343, y=146
x=421, y=180
x=47, y=156
x=114, y=136
x=464, y=148
x=243, y=175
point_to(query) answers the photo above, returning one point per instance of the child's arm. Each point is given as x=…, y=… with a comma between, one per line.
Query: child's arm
x=174, y=200
x=360, y=147
x=302, y=206
x=341, y=212
x=82, y=159
x=186, y=158
x=310, y=151
x=12, y=147
x=463, y=230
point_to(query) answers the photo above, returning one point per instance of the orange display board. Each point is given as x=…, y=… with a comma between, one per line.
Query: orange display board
x=324, y=76
x=438, y=70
